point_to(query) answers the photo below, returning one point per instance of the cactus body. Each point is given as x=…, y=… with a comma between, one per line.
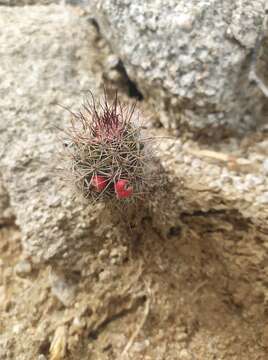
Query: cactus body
x=108, y=157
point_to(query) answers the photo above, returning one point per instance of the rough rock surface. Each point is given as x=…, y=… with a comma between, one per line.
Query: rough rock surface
x=44, y=62
x=191, y=58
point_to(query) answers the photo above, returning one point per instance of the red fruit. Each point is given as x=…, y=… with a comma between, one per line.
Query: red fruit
x=99, y=182
x=123, y=189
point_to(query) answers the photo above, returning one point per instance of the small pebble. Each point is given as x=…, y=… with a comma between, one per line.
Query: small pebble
x=239, y=184
x=112, y=61
x=226, y=179
x=77, y=325
x=140, y=346
x=62, y=289
x=115, y=253
x=185, y=355
x=105, y=276
x=2, y=294
x=265, y=166
x=53, y=201
x=18, y=328
x=188, y=159
x=103, y=253
x=182, y=336
x=23, y=268
x=196, y=164
x=179, y=158
x=253, y=180
x=41, y=357
x=114, y=75
x=263, y=199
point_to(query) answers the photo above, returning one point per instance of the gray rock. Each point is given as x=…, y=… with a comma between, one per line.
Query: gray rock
x=46, y=59
x=263, y=199
x=190, y=58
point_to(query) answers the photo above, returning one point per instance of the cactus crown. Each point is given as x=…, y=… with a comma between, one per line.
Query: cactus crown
x=107, y=156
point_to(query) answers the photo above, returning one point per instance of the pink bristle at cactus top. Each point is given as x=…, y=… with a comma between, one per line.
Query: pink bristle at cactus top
x=110, y=124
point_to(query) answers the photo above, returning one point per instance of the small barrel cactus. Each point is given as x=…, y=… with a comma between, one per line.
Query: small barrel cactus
x=108, y=158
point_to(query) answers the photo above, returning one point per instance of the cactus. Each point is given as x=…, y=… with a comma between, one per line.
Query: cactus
x=108, y=156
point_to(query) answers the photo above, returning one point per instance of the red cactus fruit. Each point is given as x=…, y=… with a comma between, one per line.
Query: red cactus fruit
x=123, y=189
x=99, y=182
